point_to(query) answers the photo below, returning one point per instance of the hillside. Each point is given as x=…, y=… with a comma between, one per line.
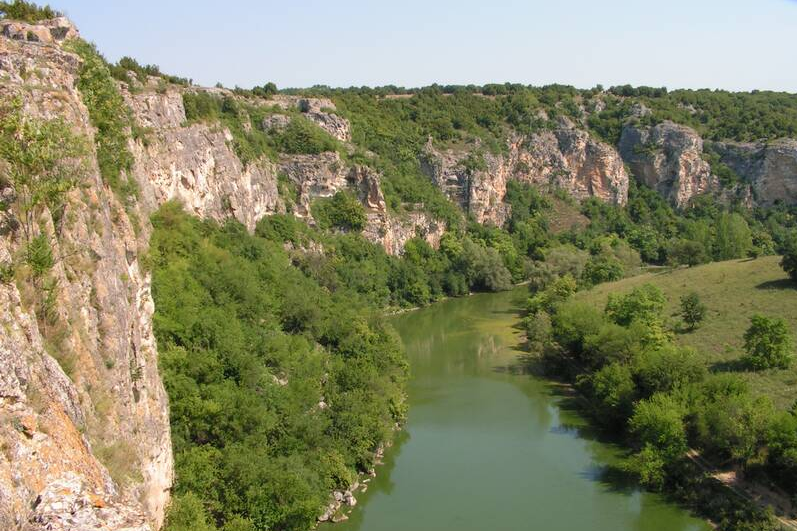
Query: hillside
x=733, y=291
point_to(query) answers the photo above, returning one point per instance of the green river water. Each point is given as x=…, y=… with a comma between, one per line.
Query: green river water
x=488, y=448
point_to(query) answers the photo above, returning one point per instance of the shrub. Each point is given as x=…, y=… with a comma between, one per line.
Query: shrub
x=342, y=211
x=692, y=310
x=642, y=303
x=303, y=137
x=789, y=260
x=602, y=268
x=110, y=115
x=27, y=11
x=768, y=343
x=43, y=161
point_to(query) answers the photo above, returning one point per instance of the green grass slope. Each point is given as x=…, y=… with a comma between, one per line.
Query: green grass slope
x=733, y=291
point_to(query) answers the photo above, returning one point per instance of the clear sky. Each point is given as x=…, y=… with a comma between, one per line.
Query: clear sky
x=731, y=44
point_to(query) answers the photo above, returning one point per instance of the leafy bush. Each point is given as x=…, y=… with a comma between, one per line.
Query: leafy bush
x=789, y=260
x=111, y=117
x=341, y=211
x=303, y=137
x=42, y=162
x=768, y=343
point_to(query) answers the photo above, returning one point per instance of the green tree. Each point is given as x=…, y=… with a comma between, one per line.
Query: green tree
x=27, y=11
x=643, y=303
x=789, y=260
x=768, y=343
x=342, y=211
x=733, y=237
x=693, y=311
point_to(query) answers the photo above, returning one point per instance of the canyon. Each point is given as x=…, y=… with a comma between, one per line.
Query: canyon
x=85, y=434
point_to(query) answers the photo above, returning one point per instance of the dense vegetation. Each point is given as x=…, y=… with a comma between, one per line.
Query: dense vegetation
x=253, y=138
x=111, y=117
x=641, y=380
x=280, y=389
x=27, y=11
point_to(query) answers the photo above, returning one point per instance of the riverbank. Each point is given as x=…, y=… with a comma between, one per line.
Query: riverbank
x=656, y=398
x=479, y=429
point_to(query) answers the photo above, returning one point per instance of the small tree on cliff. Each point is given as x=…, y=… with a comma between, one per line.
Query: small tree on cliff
x=41, y=160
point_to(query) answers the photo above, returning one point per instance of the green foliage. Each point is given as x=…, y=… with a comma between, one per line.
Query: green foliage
x=249, y=347
x=27, y=11
x=682, y=251
x=768, y=343
x=602, y=268
x=789, y=260
x=734, y=237
x=341, y=211
x=109, y=115
x=244, y=120
x=658, y=422
x=302, y=136
x=42, y=160
x=126, y=64
x=693, y=311
x=644, y=303
x=39, y=255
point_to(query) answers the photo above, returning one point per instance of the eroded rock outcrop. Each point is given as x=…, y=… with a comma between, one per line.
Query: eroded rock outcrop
x=321, y=111
x=323, y=175
x=566, y=158
x=669, y=158
x=770, y=168
x=196, y=164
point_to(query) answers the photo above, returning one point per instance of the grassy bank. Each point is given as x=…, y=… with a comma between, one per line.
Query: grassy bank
x=732, y=291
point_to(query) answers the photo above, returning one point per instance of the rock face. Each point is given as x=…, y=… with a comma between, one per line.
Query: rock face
x=103, y=397
x=771, y=168
x=571, y=159
x=669, y=158
x=196, y=165
x=320, y=111
x=49, y=31
x=565, y=158
x=323, y=175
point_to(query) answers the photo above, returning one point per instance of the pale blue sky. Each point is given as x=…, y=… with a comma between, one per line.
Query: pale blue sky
x=732, y=44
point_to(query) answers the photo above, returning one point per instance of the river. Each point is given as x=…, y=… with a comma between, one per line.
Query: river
x=489, y=448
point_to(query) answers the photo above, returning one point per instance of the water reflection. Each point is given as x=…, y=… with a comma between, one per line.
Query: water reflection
x=490, y=446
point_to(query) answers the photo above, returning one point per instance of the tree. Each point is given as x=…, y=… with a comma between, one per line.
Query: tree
x=789, y=260
x=643, y=303
x=734, y=237
x=602, y=268
x=686, y=252
x=692, y=310
x=26, y=11
x=768, y=343
x=342, y=211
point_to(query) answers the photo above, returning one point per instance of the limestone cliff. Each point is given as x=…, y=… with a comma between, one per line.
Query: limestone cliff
x=669, y=158
x=566, y=158
x=85, y=439
x=770, y=168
